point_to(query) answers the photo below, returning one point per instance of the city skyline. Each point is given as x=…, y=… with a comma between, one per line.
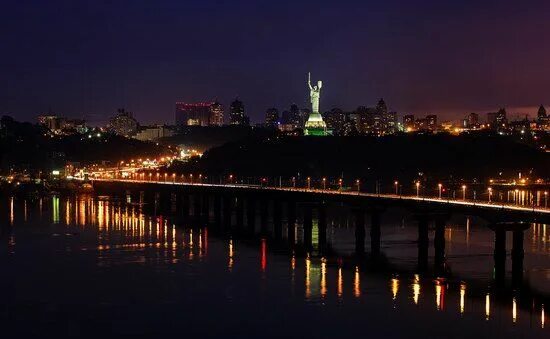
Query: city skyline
x=421, y=58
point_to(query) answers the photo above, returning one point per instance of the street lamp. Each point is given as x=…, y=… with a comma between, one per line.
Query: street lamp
x=200, y=178
x=463, y=192
x=490, y=190
x=439, y=186
x=396, y=183
x=293, y=182
x=324, y=183
x=308, y=183
x=417, y=189
x=340, y=181
x=358, y=183
x=230, y=178
x=191, y=178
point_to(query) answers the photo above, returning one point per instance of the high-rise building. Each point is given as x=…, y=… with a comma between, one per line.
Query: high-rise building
x=408, y=122
x=272, y=118
x=335, y=120
x=391, y=123
x=473, y=120
x=216, y=114
x=501, y=119
x=237, y=115
x=123, y=123
x=431, y=122
x=193, y=114
x=296, y=118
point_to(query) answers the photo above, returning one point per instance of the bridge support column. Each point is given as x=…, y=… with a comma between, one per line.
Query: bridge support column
x=264, y=216
x=308, y=228
x=184, y=197
x=277, y=220
x=206, y=208
x=239, y=213
x=291, y=222
x=360, y=232
x=227, y=202
x=499, y=255
x=250, y=216
x=439, y=244
x=517, y=257
x=322, y=229
x=217, y=210
x=423, y=243
x=375, y=234
x=197, y=206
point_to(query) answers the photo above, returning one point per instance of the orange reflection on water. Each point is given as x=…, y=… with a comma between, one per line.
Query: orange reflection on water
x=12, y=214
x=394, y=288
x=514, y=310
x=462, y=297
x=357, y=283
x=323, y=278
x=340, y=288
x=416, y=288
x=230, y=264
x=308, y=277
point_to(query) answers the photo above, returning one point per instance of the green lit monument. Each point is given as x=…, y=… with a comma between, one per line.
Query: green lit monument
x=315, y=124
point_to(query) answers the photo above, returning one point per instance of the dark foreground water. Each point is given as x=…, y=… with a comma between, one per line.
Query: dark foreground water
x=84, y=266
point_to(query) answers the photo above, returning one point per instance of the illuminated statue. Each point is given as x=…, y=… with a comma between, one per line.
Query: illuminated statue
x=314, y=93
x=315, y=124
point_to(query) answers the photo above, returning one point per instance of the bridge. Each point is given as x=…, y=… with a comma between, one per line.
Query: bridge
x=226, y=200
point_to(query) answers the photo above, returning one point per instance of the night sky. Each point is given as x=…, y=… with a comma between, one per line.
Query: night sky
x=88, y=58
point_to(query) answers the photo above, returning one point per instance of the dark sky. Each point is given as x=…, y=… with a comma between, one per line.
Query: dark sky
x=88, y=58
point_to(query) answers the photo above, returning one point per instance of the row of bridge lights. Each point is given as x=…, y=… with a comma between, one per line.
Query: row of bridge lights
x=324, y=183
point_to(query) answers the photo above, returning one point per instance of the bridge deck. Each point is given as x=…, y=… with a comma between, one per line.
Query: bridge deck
x=392, y=197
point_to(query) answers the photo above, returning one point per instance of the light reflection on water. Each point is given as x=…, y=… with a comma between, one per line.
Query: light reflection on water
x=119, y=227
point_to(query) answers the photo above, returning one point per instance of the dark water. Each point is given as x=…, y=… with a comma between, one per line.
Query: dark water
x=84, y=266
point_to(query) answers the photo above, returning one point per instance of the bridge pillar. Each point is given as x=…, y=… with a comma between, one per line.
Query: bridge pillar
x=439, y=244
x=217, y=210
x=291, y=222
x=517, y=257
x=184, y=204
x=227, y=202
x=423, y=243
x=360, y=232
x=322, y=228
x=205, y=208
x=264, y=216
x=251, y=216
x=277, y=220
x=308, y=228
x=239, y=213
x=375, y=233
x=197, y=206
x=499, y=255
